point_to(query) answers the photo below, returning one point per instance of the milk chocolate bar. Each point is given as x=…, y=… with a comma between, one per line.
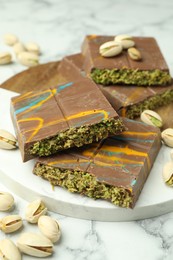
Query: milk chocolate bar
x=128, y=101
x=115, y=169
x=121, y=69
x=132, y=100
x=72, y=114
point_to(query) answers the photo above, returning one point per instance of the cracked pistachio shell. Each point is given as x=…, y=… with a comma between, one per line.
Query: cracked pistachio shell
x=123, y=37
x=125, y=40
x=127, y=44
x=18, y=47
x=33, y=47
x=34, y=210
x=10, y=39
x=167, y=136
x=28, y=59
x=151, y=118
x=5, y=58
x=7, y=140
x=11, y=223
x=9, y=251
x=168, y=173
x=49, y=228
x=35, y=244
x=110, y=49
x=6, y=201
x=134, y=53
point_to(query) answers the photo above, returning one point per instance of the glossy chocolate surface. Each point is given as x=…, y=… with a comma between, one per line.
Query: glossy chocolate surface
x=121, y=161
x=45, y=113
x=152, y=57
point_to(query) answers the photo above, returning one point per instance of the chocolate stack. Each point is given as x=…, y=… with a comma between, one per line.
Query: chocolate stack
x=82, y=142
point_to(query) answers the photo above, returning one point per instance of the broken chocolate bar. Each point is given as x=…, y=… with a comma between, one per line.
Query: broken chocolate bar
x=121, y=69
x=72, y=114
x=114, y=169
x=128, y=101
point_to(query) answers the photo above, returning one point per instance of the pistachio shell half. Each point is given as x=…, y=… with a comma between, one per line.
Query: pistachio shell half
x=7, y=140
x=35, y=245
x=49, y=228
x=11, y=223
x=34, y=210
x=6, y=201
x=9, y=251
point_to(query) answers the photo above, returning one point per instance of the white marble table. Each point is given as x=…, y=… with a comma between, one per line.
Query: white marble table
x=59, y=28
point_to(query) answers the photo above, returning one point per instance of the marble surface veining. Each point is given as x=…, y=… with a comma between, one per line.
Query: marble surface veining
x=59, y=27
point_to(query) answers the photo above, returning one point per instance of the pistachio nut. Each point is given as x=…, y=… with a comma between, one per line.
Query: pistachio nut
x=167, y=137
x=49, y=228
x=33, y=47
x=7, y=140
x=168, y=173
x=10, y=39
x=127, y=44
x=9, y=251
x=5, y=58
x=28, y=59
x=125, y=40
x=151, y=118
x=122, y=37
x=34, y=210
x=35, y=245
x=18, y=47
x=110, y=49
x=6, y=201
x=134, y=54
x=12, y=223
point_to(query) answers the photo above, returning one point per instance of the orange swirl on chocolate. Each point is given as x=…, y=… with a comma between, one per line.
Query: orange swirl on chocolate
x=126, y=133
x=41, y=121
x=111, y=150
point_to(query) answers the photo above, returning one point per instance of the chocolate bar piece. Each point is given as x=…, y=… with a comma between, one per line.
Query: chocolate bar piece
x=71, y=68
x=114, y=169
x=68, y=115
x=131, y=101
x=128, y=101
x=121, y=69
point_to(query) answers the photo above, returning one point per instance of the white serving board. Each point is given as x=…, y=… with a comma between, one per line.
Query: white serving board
x=156, y=198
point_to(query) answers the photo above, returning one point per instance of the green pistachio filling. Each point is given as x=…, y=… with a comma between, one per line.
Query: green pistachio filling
x=77, y=137
x=85, y=184
x=130, y=77
x=150, y=103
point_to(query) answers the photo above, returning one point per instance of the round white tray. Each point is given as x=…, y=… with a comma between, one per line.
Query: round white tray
x=155, y=199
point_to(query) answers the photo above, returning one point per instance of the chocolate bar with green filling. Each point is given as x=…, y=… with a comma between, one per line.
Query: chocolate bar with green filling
x=121, y=69
x=128, y=101
x=115, y=169
x=58, y=118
